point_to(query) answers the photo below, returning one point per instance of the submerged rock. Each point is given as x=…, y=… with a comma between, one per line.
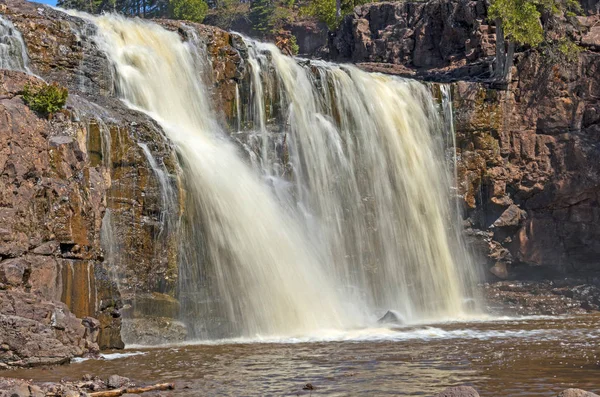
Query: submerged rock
x=392, y=317
x=458, y=391
x=576, y=393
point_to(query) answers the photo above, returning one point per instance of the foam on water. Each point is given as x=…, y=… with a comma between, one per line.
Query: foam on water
x=438, y=331
x=108, y=356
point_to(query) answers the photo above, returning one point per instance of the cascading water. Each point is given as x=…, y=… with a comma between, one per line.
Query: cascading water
x=256, y=260
x=361, y=223
x=13, y=53
x=368, y=162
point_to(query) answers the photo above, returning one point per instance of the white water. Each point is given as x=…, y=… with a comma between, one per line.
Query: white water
x=369, y=166
x=265, y=273
x=364, y=225
x=13, y=53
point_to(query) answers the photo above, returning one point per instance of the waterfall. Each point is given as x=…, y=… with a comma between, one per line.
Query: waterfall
x=368, y=159
x=13, y=53
x=345, y=213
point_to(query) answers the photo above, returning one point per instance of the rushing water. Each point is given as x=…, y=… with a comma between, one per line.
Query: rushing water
x=525, y=358
x=360, y=224
x=13, y=53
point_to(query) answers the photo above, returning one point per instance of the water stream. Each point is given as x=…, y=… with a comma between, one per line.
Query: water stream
x=345, y=212
x=13, y=52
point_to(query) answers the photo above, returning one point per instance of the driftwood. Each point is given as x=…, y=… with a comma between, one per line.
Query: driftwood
x=132, y=390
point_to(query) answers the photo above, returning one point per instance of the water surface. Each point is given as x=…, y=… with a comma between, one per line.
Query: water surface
x=512, y=357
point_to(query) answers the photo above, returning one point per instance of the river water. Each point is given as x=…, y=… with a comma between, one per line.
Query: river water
x=531, y=356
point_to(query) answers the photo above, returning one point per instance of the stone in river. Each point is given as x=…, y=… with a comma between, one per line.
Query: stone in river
x=458, y=391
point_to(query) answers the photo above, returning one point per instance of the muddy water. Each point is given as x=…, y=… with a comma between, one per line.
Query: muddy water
x=516, y=357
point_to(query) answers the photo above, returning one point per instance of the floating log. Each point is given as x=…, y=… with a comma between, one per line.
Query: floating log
x=132, y=390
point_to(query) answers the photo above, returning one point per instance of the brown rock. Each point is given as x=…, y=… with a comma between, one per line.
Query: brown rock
x=512, y=216
x=13, y=271
x=38, y=332
x=500, y=270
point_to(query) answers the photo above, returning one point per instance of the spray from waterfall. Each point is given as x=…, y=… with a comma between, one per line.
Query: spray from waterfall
x=344, y=212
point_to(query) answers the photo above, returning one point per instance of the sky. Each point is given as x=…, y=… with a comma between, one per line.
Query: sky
x=51, y=2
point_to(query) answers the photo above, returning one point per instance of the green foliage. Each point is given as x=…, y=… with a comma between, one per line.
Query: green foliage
x=562, y=51
x=569, y=50
x=190, y=10
x=47, y=99
x=227, y=11
x=326, y=12
x=140, y=8
x=260, y=16
x=294, y=45
x=280, y=16
x=521, y=18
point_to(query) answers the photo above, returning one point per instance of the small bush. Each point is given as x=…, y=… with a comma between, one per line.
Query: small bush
x=47, y=99
x=294, y=45
x=189, y=10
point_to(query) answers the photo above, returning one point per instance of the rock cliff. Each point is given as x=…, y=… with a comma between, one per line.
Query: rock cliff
x=85, y=232
x=528, y=153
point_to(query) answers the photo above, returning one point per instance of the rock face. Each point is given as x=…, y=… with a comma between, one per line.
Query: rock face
x=83, y=216
x=420, y=36
x=528, y=157
x=38, y=332
x=529, y=166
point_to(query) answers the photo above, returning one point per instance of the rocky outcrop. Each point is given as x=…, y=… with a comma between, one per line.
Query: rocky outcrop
x=528, y=166
x=114, y=385
x=528, y=152
x=84, y=216
x=441, y=36
x=34, y=331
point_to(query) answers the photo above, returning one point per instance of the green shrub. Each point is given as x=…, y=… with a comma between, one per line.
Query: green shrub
x=46, y=99
x=294, y=45
x=189, y=10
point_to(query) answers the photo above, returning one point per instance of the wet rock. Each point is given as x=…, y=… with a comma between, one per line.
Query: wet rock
x=153, y=331
x=576, y=393
x=37, y=332
x=458, y=391
x=392, y=317
x=116, y=381
x=512, y=216
x=567, y=296
x=500, y=270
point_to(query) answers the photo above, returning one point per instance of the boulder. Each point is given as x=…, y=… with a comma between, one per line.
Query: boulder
x=392, y=317
x=38, y=332
x=116, y=382
x=152, y=331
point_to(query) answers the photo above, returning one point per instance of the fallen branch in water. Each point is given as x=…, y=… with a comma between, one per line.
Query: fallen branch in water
x=132, y=390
